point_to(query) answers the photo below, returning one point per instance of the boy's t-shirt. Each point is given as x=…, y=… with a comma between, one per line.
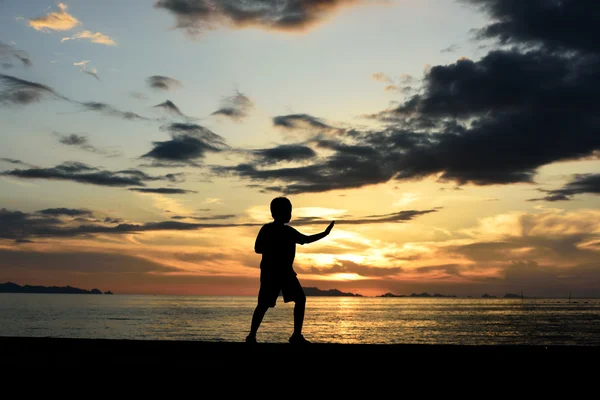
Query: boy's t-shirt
x=277, y=244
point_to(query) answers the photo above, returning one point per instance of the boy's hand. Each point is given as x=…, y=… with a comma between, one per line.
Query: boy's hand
x=329, y=227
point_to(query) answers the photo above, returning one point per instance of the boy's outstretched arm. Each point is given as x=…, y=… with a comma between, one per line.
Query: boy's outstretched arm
x=317, y=236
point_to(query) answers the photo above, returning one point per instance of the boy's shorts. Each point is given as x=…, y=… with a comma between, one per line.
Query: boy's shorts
x=271, y=287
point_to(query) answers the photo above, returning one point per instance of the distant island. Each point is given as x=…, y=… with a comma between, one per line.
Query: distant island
x=416, y=295
x=313, y=291
x=506, y=296
x=10, y=287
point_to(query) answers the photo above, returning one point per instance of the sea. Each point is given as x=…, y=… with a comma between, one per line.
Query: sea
x=360, y=320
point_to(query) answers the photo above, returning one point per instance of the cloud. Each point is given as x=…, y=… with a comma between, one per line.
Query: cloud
x=96, y=37
x=554, y=25
x=207, y=218
x=162, y=190
x=349, y=267
x=55, y=21
x=195, y=16
x=83, y=68
x=401, y=216
x=300, y=121
x=235, y=107
x=19, y=91
x=450, y=49
x=91, y=72
x=47, y=264
x=107, y=109
x=8, y=52
x=396, y=85
x=82, y=173
x=283, y=153
x=70, y=212
x=14, y=161
x=189, y=144
x=170, y=107
x=472, y=121
x=82, y=142
x=381, y=77
x=138, y=95
x=19, y=225
x=162, y=82
x=581, y=184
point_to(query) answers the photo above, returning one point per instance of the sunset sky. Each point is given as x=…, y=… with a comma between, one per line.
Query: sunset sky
x=455, y=143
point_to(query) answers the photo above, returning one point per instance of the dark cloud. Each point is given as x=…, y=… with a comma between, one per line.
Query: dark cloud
x=351, y=165
x=13, y=161
x=162, y=82
x=581, y=184
x=300, y=121
x=207, y=218
x=19, y=91
x=8, y=52
x=401, y=216
x=196, y=16
x=188, y=146
x=82, y=142
x=71, y=212
x=235, y=107
x=162, y=190
x=111, y=111
x=505, y=81
x=82, y=173
x=19, y=225
x=349, y=267
x=283, y=153
x=555, y=25
x=448, y=269
x=495, y=120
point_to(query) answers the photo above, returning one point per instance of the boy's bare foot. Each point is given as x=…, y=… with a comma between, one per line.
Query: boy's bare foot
x=298, y=339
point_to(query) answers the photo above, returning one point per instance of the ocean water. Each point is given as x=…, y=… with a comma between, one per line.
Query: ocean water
x=328, y=319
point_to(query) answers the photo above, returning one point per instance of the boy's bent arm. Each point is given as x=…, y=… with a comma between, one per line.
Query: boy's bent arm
x=259, y=245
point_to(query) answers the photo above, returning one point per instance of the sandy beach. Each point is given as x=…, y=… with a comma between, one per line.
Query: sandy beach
x=62, y=352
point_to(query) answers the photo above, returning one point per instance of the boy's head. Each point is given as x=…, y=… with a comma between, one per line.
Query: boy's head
x=281, y=209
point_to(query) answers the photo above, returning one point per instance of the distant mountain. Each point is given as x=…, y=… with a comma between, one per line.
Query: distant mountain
x=10, y=287
x=392, y=295
x=514, y=296
x=313, y=291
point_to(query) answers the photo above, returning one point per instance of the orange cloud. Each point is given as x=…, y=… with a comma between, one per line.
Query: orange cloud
x=55, y=21
x=97, y=37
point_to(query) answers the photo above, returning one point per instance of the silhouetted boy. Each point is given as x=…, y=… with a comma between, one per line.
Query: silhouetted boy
x=276, y=241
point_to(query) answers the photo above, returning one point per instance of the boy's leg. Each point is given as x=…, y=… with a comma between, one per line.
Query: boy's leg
x=299, y=309
x=294, y=292
x=267, y=297
x=257, y=317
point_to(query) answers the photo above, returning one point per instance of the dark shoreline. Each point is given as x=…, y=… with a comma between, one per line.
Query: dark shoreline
x=70, y=352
